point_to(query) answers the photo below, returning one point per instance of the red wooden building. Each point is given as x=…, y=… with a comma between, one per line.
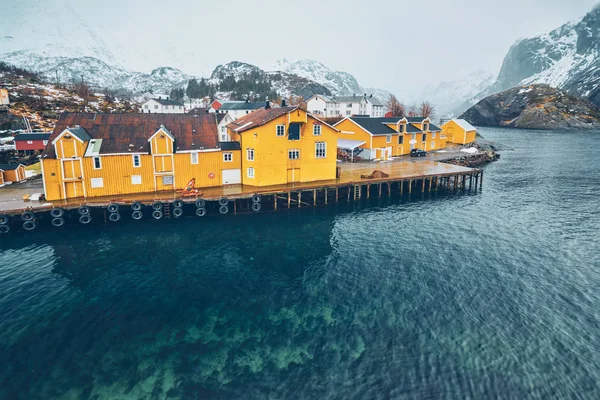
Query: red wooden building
x=30, y=142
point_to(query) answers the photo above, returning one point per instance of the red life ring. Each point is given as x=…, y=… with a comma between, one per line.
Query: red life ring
x=211, y=175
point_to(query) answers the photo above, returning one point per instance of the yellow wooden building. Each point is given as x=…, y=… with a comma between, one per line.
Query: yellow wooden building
x=113, y=154
x=383, y=138
x=12, y=173
x=284, y=145
x=459, y=131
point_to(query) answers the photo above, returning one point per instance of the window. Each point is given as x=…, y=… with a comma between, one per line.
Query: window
x=29, y=142
x=227, y=157
x=136, y=179
x=294, y=154
x=349, y=105
x=317, y=130
x=250, y=154
x=433, y=135
x=250, y=172
x=146, y=106
x=194, y=158
x=45, y=142
x=320, y=150
x=167, y=180
x=280, y=130
x=97, y=183
x=433, y=144
x=156, y=106
x=424, y=137
x=222, y=129
x=97, y=163
x=388, y=138
x=400, y=139
x=348, y=112
x=403, y=128
x=137, y=162
x=425, y=127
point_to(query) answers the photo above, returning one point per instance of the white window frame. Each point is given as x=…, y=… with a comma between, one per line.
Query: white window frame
x=97, y=183
x=319, y=150
x=97, y=158
x=227, y=157
x=433, y=144
x=280, y=128
x=293, y=154
x=136, y=179
x=250, y=154
x=137, y=157
x=388, y=138
x=250, y=172
x=317, y=130
x=194, y=157
x=30, y=142
x=433, y=135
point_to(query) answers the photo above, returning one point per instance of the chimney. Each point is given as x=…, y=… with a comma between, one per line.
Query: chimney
x=267, y=105
x=283, y=103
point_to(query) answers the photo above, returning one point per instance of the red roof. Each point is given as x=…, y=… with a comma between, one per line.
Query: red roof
x=215, y=105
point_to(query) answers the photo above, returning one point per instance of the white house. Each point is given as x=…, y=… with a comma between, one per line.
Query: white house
x=222, y=121
x=345, y=106
x=163, y=106
x=237, y=109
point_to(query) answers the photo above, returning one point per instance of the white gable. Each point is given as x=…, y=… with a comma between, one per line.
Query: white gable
x=464, y=125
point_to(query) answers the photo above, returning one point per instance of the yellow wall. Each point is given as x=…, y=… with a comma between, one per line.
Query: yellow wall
x=359, y=133
x=272, y=165
x=15, y=175
x=455, y=134
x=117, y=171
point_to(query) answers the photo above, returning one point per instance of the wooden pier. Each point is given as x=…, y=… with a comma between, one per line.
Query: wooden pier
x=402, y=178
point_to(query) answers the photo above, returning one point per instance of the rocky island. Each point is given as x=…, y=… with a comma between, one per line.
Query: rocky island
x=534, y=107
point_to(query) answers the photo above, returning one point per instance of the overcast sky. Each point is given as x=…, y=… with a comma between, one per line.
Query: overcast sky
x=389, y=44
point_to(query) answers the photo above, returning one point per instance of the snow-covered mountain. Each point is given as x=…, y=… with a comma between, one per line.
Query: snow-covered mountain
x=448, y=94
x=566, y=58
x=339, y=83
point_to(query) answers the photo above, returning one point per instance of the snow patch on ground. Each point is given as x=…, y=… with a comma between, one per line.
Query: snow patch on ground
x=470, y=150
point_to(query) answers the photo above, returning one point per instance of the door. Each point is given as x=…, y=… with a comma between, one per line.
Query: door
x=163, y=163
x=293, y=175
x=165, y=182
x=388, y=151
x=74, y=189
x=72, y=169
x=231, y=176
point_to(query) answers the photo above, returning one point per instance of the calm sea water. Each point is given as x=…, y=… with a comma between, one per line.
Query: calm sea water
x=493, y=295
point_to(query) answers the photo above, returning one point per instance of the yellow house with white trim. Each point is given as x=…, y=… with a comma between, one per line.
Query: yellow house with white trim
x=459, y=131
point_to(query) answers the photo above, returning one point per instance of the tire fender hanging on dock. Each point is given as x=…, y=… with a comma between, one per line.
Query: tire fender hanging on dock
x=157, y=214
x=114, y=217
x=178, y=204
x=29, y=225
x=256, y=207
x=200, y=203
x=223, y=209
x=137, y=215
x=256, y=198
x=4, y=219
x=83, y=210
x=157, y=206
x=201, y=212
x=177, y=212
x=223, y=201
x=57, y=212
x=113, y=208
x=28, y=216
x=136, y=206
x=58, y=222
x=85, y=219
x=4, y=228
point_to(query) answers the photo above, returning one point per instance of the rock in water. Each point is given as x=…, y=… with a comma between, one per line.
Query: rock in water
x=534, y=107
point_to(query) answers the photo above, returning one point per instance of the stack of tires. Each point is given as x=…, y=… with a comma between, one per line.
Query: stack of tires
x=113, y=212
x=200, y=207
x=137, y=214
x=157, y=210
x=29, y=222
x=177, y=208
x=57, y=215
x=223, y=205
x=256, y=203
x=4, y=224
x=84, y=215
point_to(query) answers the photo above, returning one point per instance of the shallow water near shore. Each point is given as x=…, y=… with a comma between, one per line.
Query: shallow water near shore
x=488, y=295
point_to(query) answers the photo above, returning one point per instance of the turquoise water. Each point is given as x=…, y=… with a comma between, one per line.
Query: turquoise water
x=489, y=295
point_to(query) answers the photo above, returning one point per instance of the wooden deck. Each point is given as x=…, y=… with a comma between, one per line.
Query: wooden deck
x=398, y=170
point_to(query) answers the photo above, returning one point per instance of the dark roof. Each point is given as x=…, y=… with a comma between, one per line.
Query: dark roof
x=243, y=106
x=165, y=102
x=410, y=128
x=220, y=117
x=415, y=120
x=79, y=132
x=123, y=133
x=377, y=126
x=32, y=136
x=434, y=128
x=230, y=146
x=9, y=167
x=258, y=118
x=198, y=110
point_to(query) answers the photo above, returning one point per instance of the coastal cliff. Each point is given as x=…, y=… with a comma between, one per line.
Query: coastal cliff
x=534, y=107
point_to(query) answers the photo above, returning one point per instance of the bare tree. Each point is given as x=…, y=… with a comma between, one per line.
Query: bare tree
x=296, y=101
x=412, y=111
x=395, y=107
x=427, y=110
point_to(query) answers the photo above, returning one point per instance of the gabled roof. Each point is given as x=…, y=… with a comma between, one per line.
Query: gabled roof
x=166, y=102
x=410, y=128
x=434, y=128
x=375, y=101
x=79, y=132
x=415, y=120
x=229, y=146
x=129, y=133
x=9, y=167
x=348, y=99
x=376, y=126
x=32, y=136
x=242, y=105
x=258, y=118
x=464, y=125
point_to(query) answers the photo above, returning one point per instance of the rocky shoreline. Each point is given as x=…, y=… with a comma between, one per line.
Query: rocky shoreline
x=487, y=153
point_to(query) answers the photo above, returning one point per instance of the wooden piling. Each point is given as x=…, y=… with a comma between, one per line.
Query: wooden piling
x=275, y=202
x=423, y=186
x=299, y=198
x=314, y=197
x=326, y=191
x=481, y=181
x=410, y=187
x=368, y=190
x=401, y=187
